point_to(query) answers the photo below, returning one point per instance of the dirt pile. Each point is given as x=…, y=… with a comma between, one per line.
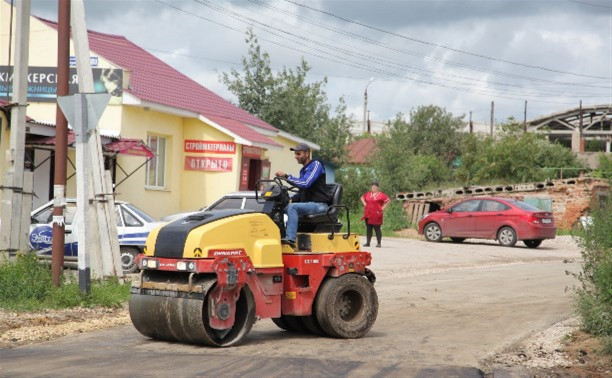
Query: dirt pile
x=19, y=328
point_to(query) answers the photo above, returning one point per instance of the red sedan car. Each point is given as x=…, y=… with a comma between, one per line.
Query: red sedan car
x=501, y=219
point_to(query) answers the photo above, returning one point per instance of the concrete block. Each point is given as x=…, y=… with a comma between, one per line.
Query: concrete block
x=448, y=192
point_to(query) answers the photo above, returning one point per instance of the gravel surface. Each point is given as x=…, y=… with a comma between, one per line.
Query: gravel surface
x=19, y=328
x=544, y=349
x=400, y=262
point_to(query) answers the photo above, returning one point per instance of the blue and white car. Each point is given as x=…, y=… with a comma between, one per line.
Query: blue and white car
x=133, y=227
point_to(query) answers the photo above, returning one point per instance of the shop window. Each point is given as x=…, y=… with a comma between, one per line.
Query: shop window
x=156, y=167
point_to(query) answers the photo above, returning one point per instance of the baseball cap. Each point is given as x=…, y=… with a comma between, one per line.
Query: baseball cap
x=301, y=147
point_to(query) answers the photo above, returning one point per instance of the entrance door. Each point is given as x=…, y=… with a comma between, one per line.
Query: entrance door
x=254, y=173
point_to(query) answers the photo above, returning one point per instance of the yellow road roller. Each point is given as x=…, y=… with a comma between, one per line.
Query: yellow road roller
x=206, y=278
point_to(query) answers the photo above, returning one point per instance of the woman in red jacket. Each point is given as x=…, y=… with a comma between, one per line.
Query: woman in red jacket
x=375, y=203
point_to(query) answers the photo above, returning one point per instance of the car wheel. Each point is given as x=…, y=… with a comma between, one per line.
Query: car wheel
x=433, y=232
x=128, y=259
x=457, y=240
x=506, y=236
x=533, y=243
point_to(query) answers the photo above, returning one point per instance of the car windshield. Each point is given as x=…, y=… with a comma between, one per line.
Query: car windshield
x=227, y=203
x=252, y=204
x=524, y=206
x=146, y=217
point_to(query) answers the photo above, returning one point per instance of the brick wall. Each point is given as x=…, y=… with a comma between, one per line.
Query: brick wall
x=571, y=198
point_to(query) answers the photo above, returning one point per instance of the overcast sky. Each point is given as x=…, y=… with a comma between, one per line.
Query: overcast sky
x=457, y=54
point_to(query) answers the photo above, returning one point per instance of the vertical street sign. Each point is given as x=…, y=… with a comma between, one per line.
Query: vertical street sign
x=83, y=111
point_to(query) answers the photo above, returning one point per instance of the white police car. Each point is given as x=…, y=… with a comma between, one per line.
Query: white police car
x=133, y=227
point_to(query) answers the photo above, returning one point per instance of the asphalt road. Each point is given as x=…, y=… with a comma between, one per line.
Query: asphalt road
x=443, y=308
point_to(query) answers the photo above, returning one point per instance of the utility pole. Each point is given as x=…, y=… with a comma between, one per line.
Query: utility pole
x=581, y=119
x=369, y=126
x=471, y=124
x=106, y=260
x=16, y=183
x=525, y=118
x=365, y=105
x=61, y=141
x=492, y=116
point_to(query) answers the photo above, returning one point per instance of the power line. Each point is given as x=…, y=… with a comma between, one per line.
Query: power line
x=589, y=4
x=389, y=79
x=441, y=46
x=353, y=65
x=413, y=53
x=250, y=22
x=390, y=63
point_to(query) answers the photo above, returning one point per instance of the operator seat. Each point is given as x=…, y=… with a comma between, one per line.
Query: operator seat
x=324, y=222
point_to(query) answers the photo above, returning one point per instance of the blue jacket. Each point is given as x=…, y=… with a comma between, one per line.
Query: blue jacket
x=312, y=183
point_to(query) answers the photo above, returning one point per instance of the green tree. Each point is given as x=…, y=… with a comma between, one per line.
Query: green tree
x=513, y=156
x=416, y=154
x=289, y=101
x=434, y=131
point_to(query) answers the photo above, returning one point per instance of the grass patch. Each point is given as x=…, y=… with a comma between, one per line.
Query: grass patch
x=394, y=220
x=565, y=231
x=26, y=285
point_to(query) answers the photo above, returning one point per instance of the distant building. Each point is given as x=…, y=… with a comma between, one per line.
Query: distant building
x=376, y=127
x=361, y=151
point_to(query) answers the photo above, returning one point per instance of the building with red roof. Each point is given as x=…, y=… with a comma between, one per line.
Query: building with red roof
x=361, y=151
x=203, y=145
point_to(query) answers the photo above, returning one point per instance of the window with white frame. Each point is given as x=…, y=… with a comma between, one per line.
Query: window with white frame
x=156, y=167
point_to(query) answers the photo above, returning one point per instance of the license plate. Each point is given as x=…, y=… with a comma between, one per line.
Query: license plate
x=546, y=220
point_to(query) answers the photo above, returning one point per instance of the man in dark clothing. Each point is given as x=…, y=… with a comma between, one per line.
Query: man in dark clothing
x=313, y=196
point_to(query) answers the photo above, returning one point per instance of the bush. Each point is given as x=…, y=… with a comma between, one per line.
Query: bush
x=595, y=293
x=605, y=167
x=514, y=157
x=25, y=284
x=355, y=182
x=394, y=220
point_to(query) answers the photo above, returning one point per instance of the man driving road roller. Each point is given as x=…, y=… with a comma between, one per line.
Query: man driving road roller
x=313, y=196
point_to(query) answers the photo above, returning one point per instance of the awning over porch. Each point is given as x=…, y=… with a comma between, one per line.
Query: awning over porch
x=124, y=146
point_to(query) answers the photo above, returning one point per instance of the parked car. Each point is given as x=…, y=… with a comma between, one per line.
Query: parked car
x=133, y=227
x=236, y=200
x=505, y=220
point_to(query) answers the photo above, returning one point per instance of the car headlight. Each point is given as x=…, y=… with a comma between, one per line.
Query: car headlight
x=422, y=217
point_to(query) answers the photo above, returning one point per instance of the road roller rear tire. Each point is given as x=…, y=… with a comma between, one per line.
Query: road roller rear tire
x=312, y=325
x=280, y=323
x=294, y=324
x=186, y=319
x=346, y=306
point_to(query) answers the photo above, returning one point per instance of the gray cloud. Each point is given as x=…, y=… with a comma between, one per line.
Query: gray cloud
x=561, y=35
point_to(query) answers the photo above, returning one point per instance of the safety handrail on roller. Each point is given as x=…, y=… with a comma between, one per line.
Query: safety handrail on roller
x=348, y=220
